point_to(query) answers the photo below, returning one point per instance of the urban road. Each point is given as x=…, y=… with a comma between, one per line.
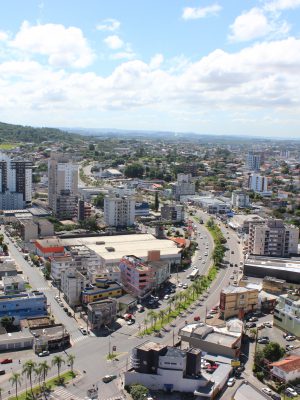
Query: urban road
x=91, y=351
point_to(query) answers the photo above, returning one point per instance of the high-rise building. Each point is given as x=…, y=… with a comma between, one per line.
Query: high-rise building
x=253, y=161
x=15, y=182
x=240, y=199
x=273, y=238
x=184, y=186
x=119, y=210
x=63, y=186
x=258, y=183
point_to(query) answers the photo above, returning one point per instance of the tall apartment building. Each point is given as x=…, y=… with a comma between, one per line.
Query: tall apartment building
x=258, y=183
x=172, y=212
x=15, y=182
x=236, y=301
x=273, y=238
x=63, y=186
x=119, y=211
x=184, y=186
x=253, y=161
x=240, y=199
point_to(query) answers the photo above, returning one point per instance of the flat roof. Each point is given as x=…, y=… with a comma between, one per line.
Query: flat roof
x=246, y=391
x=236, y=289
x=291, y=265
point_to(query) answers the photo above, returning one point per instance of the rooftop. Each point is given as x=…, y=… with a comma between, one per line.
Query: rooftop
x=236, y=289
x=146, y=346
x=246, y=391
x=289, y=364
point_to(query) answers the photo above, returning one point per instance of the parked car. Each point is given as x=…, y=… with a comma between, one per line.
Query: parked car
x=209, y=316
x=290, y=338
x=266, y=391
x=185, y=286
x=251, y=325
x=83, y=331
x=231, y=382
x=196, y=318
x=108, y=378
x=6, y=361
x=44, y=353
x=2, y=371
x=263, y=341
x=253, y=319
x=289, y=347
x=130, y=322
x=291, y=392
x=268, y=324
x=166, y=297
x=180, y=284
x=66, y=309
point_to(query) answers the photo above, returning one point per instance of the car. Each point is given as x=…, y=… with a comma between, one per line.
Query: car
x=291, y=392
x=253, y=319
x=213, y=311
x=173, y=290
x=83, y=331
x=200, y=258
x=141, y=308
x=204, y=364
x=6, y=361
x=203, y=262
x=209, y=316
x=108, y=378
x=266, y=391
x=215, y=308
x=289, y=347
x=66, y=309
x=180, y=284
x=2, y=371
x=235, y=282
x=155, y=298
x=268, y=324
x=263, y=341
x=230, y=382
x=166, y=297
x=196, y=318
x=130, y=322
x=251, y=325
x=275, y=396
x=44, y=353
x=232, y=252
x=290, y=338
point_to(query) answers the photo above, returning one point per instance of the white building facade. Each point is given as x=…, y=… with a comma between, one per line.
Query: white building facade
x=119, y=210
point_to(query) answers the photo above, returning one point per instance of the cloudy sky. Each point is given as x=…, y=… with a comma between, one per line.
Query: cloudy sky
x=224, y=67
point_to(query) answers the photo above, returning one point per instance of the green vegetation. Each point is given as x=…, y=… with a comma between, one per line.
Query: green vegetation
x=219, y=249
x=138, y=392
x=8, y=146
x=270, y=353
x=135, y=170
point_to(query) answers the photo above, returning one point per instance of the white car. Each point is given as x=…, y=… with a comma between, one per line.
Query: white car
x=231, y=382
x=185, y=286
x=290, y=391
x=267, y=391
x=180, y=284
x=166, y=297
x=290, y=338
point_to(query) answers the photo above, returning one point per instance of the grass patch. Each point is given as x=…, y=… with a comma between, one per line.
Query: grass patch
x=112, y=356
x=8, y=146
x=51, y=384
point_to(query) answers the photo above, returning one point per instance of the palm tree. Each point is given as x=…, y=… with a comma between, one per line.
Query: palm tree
x=161, y=315
x=70, y=360
x=155, y=316
x=15, y=381
x=39, y=373
x=150, y=315
x=145, y=323
x=45, y=369
x=58, y=361
x=27, y=370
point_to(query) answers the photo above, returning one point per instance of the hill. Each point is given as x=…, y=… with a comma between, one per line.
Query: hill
x=10, y=133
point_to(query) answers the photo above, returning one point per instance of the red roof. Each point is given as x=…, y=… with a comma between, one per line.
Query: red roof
x=181, y=242
x=289, y=364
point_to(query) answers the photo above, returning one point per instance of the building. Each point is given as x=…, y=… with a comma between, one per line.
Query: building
x=223, y=340
x=140, y=278
x=45, y=228
x=247, y=391
x=63, y=186
x=259, y=184
x=15, y=182
x=142, y=209
x=119, y=211
x=28, y=230
x=212, y=205
x=237, y=301
x=273, y=238
x=21, y=306
x=287, y=313
x=286, y=370
x=183, y=187
x=49, y=247
x=7, y=267
x=273, y=285
x=174, y=213
x=101, y=290
x=241, y=222
x=101, y=313
x=72, y=283
x=108, y=273
x=253, y=161
x=240, y=199
x=84, y=210
x=13, y=284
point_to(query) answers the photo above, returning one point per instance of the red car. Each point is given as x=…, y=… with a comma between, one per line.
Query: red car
x=6, y=361
x=197, y=318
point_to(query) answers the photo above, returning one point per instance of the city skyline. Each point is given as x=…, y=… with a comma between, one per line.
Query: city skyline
x=209, y=67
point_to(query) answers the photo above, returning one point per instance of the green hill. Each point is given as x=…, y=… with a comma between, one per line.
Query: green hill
x=10, y=133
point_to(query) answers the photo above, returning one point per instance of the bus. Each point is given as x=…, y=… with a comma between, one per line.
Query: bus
x=193, y=275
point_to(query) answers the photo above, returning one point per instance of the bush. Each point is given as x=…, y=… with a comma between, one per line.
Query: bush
x=138, y=392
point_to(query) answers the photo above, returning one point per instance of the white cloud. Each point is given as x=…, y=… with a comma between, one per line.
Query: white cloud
x=156, y=61
x=125, y=55
x=201, y=12
x=278, y=5
x=3, y=36
x=109, y=24
x=65, y=47
x=250, y=25
x=114, y=42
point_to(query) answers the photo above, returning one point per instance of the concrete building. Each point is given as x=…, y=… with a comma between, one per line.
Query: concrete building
x=63, y=186
x=108, y=273
x=241, y=222
x=7, y=267
x=101, y=313
x=45, y=228
x=273, y=238
x=14, y=341
x=59, y=264
x=28, y=230
x=142, y=209
x=286, y=370
x=237, y=301
x=174, y=213
x=259, y=184
x=119, y=211
x=240, y=199
x=253, y=161
x=15, y=182
x=84, y=210
x=13, y=284
x=25, y=305
x=223, y=340
x=72, y=283
x=287, y=313
x=212, y=205
x=247, y=391
x=100, y=291
x=183, y=187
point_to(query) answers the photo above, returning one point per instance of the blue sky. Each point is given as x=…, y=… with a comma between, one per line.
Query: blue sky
x=223, y=67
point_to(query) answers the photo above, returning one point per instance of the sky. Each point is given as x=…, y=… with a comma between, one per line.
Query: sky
x=226, y=67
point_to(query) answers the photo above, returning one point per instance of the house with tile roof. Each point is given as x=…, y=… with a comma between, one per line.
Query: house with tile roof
x=287, y=369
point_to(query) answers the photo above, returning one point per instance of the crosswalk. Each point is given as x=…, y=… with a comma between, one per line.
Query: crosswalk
x=78, y=337
x=43, y=289
x=63, y=394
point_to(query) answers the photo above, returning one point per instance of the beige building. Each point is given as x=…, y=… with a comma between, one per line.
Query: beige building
x=72, y=284
x=273, y=238
x=236, y=301
x=63, y=185
x=46, y=228
x=28, y=230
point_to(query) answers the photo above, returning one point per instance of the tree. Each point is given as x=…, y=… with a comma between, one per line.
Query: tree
x=156, y=202
x=44, y=370
x=138, y=392
x=15, y=381
x=135, y=170
x=70, y=360
x=28, y=369
x=99, y=201
x=91, y=147
x=7, y=322
x=161, y=315
x=58, y=361
x=38, y=373
x=5, y=248
x=273, y=351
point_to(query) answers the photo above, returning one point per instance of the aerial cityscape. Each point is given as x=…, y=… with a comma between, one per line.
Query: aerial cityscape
x=149, y=200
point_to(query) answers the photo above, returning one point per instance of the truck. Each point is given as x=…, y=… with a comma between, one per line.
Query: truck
x=193, y=275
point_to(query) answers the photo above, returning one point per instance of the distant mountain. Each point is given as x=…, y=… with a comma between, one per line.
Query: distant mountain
x=28, y=134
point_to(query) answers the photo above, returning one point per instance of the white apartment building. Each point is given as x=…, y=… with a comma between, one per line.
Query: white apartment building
x=273, y=238
x=287, y=313
x=119, y=210
x=240, y=199
x=184, y=186
x=258, y=184
x=63, y=186
x=72, y=284
x=59, y=264
x=15, y=182
x=253, y=161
